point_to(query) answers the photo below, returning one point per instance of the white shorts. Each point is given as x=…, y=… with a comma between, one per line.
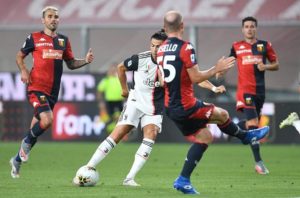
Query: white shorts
x=133, y=116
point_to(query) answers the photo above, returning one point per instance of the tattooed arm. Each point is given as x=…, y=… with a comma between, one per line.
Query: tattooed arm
x=78, y=63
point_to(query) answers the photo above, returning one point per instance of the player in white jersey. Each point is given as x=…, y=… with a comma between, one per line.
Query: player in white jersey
x=144, y=105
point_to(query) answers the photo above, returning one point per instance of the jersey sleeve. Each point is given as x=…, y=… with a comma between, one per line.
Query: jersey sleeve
x=132, y=63
x=68, y=53
x=271, y=55
x=28, y=45
x=232, y=52
x=188, y=56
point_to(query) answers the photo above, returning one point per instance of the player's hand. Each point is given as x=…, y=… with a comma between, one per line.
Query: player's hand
x=125, y=93
x=261, y=66
x=25, y=76
x=224, y=64
x=220, y=74
x=89, y=56
x=219, y=89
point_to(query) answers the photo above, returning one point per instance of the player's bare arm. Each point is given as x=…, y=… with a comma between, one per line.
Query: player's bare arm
x=222, y=65
x=78, y=63
x=123, y=79
x=208, y=85
x=273, y=66
x=25, y=77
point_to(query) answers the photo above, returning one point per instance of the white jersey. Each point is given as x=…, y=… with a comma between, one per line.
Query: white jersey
x=147, y=92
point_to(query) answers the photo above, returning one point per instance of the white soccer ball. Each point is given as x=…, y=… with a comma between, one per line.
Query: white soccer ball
x=86, y=176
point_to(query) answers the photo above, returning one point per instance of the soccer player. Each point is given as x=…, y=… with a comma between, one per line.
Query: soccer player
x=144, y=105
x=48, y=49
x=178, y=59
x=291, y=120
x=109, y=97
x=252, y=55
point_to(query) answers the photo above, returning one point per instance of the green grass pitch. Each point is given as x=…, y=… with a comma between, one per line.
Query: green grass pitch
x=225, y=171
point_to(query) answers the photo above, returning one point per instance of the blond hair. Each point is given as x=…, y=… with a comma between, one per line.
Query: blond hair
x=48, y=8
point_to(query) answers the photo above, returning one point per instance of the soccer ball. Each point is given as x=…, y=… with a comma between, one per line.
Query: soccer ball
x=86, y=176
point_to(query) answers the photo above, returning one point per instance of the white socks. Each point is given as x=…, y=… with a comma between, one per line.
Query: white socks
x=296, y=124
x=104, y=148
x=141, y=156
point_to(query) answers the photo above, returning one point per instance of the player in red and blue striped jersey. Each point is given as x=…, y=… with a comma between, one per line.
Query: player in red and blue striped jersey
x=191, y=115
x=49, y=49
x=252, y=55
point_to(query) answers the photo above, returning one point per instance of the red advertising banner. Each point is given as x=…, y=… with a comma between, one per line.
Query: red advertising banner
x=73, y=121
x=122, y=12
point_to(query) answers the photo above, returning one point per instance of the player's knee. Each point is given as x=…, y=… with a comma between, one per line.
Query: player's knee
x=206, y=138
x=224, y=115
x=46, y=122
x=220, y=115
x=151, y=133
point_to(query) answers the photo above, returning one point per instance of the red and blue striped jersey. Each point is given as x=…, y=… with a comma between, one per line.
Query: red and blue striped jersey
x=250, y=79
x=176, y=56
x=48, y=54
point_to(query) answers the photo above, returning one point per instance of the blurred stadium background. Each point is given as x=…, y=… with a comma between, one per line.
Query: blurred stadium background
x=117, y=29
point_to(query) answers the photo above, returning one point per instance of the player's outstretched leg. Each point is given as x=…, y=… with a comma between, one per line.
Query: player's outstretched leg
x=15, y=168
x=289, y=120
x=255, y=135
x=184, y=185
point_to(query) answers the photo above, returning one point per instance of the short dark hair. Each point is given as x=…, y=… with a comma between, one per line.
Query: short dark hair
x=249, y=18
x=160, y=35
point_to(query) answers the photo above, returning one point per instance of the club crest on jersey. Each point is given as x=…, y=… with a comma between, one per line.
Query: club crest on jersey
x=260, y=47
x=248, y=100
x=43, y=99
x=61, y=42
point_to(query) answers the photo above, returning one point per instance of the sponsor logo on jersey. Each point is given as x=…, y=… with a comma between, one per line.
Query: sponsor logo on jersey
x=243, y=51
x=260, y=47
x=151, y=83
x=42, y=39
x=242, y=47
x=61, y=42
x=189, y=47
x=251, y=59
x=52, y=54
x=44, y=45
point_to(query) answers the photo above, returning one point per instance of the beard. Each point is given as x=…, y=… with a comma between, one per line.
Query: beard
x=52, y=27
